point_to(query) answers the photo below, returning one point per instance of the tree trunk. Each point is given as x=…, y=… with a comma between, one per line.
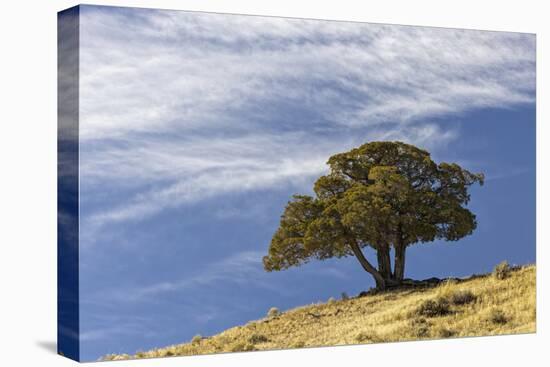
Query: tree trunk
x=380, y=284
x=380, y=281
x=399, y=267
x=384, y=262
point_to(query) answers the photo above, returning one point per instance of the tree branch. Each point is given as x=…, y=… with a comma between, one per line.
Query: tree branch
x=366, y=264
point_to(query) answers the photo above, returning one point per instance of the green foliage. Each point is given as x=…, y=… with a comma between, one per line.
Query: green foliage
x=502, y=270
x=378, y=195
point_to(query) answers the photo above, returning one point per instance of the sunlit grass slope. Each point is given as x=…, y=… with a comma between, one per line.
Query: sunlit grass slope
x=499, y=303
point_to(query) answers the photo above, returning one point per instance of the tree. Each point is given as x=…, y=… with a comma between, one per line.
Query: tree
x=383, y=195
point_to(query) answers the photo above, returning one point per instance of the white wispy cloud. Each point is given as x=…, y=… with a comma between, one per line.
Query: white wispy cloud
x=177, y=106
x=512, y=172
x=178, y=173
x=243, y=268
x=112, y=332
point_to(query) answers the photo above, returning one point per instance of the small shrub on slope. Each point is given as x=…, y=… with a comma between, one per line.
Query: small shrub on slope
x=460, y=298
x=420, y=328
x=502, y=270
x=242, y=347
x=434, y=307
x=257, y=339
x=299, y=344
x=498, y=317
x=445, y=333
x=273, y=312
x=364, y=337
x=196, y=339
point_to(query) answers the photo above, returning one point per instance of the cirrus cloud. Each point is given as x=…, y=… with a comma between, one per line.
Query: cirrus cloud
x=181, y=106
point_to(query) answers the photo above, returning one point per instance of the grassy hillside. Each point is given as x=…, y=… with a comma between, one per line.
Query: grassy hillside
x=498, y=303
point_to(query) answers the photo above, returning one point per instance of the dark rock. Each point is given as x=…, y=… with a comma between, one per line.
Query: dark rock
x=406, y=283
x=432, y=280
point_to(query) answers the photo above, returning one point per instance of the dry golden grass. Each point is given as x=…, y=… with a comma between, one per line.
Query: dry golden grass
x=483, y=305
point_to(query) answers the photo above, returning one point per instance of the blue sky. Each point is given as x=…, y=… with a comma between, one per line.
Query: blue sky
x=196, y=129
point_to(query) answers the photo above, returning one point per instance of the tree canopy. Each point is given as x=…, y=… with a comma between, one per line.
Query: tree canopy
x=382, y=195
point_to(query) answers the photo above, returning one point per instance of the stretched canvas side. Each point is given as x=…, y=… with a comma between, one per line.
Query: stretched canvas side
x=68, y=341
